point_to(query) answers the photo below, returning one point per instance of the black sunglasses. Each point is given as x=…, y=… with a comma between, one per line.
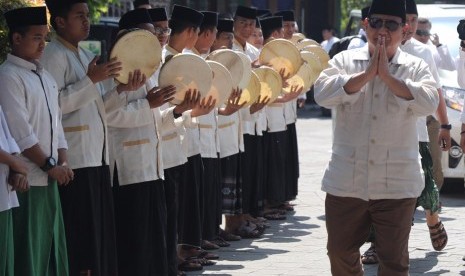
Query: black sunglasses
x=422, y=33
x=378, y=23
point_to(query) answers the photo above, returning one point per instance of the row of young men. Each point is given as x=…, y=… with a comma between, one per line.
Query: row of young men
x=136, y=176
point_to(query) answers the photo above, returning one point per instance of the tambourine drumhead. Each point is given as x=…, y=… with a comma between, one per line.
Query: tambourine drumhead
x=270, y=81
x=222, y=83
x=305, y=77
x=247, y=65
x=281, y=54
x=232, y=61
x=137, y=49
x=297, y=37
x=306, y=42
x=251, y=93
x=312, y=60
x=186, y=71
x=320, y=53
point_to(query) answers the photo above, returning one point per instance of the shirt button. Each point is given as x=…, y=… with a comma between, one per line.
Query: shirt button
x=372, y=141
x=371, y=162
x=376, y=95
x=374, y=117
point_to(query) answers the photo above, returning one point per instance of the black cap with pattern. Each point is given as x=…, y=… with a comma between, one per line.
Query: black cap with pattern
x=58, y=6
x=287, y=15
x=133, y=18
x=209, y=18
x=158, y=14
x=138, y=3
x=246, y=12
x=391, y=7
x=225, y=25
x=185, y=14
x=271, y=23
x=365, y=12
x=29, y=16
x=411, y=7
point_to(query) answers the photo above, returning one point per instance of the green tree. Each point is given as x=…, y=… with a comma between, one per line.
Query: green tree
x=6, y=5
x=99, y=7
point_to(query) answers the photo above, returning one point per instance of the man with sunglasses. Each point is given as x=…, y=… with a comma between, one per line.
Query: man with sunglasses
x=438, y=139
x=374, y=176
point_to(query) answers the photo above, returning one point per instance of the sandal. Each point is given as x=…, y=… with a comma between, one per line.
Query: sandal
x=207, y=255
x=286, y=207
x=438, y=236
x=275, y=216
x=247, y=232
x=200, y=261
x=189, y=266
x=207, y=245
x=220, y=242
x=370, y=256
x=228, y=236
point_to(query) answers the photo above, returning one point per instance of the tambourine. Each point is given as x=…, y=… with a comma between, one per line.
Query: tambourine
x=251, y=92
x=233, y=62
x=304, y=78
x=136, y=49
x=312, y=60
x=306, y=42
x=186, y=71
x=296, y=37
x=222, y=83
x=320, y=53
x=281, y=54
x=270, y=81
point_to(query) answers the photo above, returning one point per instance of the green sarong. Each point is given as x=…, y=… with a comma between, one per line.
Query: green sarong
x=6, y=244
x=429, y=198
x=40, y=243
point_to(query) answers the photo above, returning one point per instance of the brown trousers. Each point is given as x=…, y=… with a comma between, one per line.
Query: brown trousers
x=348, y=223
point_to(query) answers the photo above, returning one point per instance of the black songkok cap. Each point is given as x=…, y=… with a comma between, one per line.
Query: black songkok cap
x=287, y=15
x=411, y=7
x=257, y=23
x=138, y=3
x=58, y=6
x=271, y=23
x=209, y=18
x=23, y=17
x=246, y=12
x=391, y=7
x=133, y=18
x=264, y=13
x=158, y=14
x=365, y=12
x=225, y=25
x=185, y=14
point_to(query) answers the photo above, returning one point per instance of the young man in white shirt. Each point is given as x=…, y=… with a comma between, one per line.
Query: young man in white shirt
x=89, y=225
x=30, y=100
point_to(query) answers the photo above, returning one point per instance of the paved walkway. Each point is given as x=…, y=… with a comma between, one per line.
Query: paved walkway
x=297, y=246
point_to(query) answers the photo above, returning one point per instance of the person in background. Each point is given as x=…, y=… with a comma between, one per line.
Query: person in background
x=29, y=98
x=441, y=52
x=360, y=42
x=375, y=176
x=142, y=4
x=329, y=37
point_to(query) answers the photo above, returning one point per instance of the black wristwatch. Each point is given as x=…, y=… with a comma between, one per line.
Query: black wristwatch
x=50, y=163
x=448, y=127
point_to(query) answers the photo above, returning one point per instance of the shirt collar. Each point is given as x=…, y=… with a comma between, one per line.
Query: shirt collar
x=66, y=44
x=171, y=50
x=364, y=54
x=34, y=66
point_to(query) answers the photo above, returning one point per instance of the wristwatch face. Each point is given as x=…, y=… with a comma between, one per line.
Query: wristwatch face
x=52, y=162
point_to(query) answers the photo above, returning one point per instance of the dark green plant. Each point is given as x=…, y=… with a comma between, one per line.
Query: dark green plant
x=99, y=7
x=6, y=5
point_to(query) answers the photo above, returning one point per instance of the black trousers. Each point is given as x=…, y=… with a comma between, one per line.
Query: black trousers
x=211, y=191
x=252, y=175
x=88, y=214
x=141, y=228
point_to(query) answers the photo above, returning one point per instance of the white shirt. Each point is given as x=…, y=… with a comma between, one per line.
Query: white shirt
x=461, y=78
x=290, y=111
x=357, y=42
x=29, y=98
x=134, y=138
x=174, y=147
x=230, y=134
x=442, y=57
x=375, y=146
x=418, y=49
x=327, y=44
x=276, y=122
x=253, y=124
x=8, y=197
x=82, y=104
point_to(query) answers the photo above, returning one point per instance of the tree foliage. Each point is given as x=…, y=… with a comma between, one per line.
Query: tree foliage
x=99, y=7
